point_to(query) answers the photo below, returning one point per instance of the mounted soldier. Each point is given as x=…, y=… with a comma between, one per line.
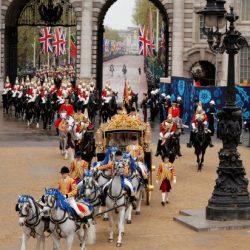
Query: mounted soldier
x=199, y=116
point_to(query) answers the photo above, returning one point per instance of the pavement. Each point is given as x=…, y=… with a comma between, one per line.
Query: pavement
x=137, y=82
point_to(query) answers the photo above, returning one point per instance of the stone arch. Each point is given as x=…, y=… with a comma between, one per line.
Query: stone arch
x=10, y=12
x=100, y=8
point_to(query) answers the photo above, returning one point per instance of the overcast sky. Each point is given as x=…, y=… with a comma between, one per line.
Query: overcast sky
x=119, y=15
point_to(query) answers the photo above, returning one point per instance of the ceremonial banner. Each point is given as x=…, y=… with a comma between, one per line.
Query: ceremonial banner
x=184, y=88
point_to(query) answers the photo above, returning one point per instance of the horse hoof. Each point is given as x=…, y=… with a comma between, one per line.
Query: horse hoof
x=137, y=212
x=105, y=219
x=118, y=244
x=111, y=240
x=129, y=221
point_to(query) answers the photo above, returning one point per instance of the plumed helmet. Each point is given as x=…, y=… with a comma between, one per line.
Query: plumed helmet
x=64, y=170
x=199, y=109
x=179, y=98
x=212, y=102
x=168, y=97
x=169, y=118
x=163, y=95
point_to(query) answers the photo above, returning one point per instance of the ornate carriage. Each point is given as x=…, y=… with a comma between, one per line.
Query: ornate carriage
x=118, y=131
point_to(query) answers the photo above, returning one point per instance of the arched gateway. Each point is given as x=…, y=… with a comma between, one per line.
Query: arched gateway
x=29, y=13
x=89, y=16
x=98, y=49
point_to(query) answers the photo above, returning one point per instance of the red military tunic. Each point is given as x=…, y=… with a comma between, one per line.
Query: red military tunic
x=201, y=116
x=174, y=111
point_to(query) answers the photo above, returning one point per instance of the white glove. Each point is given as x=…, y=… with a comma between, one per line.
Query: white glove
x=174, y=181
x=172, y=133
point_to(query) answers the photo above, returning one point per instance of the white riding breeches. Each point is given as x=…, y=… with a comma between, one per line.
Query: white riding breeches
x=73, y=204
x=143, y=169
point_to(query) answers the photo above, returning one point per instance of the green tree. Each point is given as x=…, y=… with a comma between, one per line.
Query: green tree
x=141, y=13
x=112, y=34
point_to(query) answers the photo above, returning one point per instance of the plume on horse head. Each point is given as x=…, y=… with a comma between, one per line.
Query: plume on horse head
x=60, y=200
x=25, y=198
x=132, y=164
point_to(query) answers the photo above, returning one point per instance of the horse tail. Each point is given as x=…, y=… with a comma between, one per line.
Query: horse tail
x=91, y=234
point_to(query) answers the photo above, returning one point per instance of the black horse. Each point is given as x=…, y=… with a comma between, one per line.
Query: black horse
x=171, y=147
x=201, y=141
x=87, y=146
x=133, y=100
x=48, y=112
x=7, y=99
x=104, y=113
x=93, y=106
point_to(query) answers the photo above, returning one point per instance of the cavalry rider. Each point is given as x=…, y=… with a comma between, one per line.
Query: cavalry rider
x=128, y=185
x=199, y=115
x=137, y=153
x=167, y=128
x=78, y=167
x=174, y=110
x=67, y=186
x=66, y=110
x=7, y=86
x=67, y=106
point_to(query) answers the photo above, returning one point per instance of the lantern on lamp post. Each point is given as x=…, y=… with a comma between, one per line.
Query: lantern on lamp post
x=230, y=199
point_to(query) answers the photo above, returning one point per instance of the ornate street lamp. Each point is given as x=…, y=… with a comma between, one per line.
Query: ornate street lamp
x=230, y=199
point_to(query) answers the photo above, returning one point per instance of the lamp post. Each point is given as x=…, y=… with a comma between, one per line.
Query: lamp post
x=230, y=199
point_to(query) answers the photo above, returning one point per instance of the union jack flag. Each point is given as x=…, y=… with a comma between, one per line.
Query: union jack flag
x=46, y=40
x=144, y=42
x=59, y=43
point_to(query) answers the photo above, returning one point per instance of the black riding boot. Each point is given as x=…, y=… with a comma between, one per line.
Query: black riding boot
x=57, y=131
x=190, y=143
x=145, y=181
x=158, y=150
x=210, y=141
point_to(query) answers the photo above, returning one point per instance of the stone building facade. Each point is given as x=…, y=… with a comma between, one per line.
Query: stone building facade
x=186, y=44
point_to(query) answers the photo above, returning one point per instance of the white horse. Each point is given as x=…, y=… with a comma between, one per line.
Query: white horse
x=102, y=178
x=138, y=185
x=31, y=222
x=64, y=132
x=63, y=223
x=90, y=190
x=116, y=202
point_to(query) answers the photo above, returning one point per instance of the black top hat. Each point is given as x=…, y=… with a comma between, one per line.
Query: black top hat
x=64, y=170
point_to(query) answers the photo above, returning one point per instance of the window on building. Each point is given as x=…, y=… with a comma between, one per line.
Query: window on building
x=202, y=23
x=245, y=9
x=245, y=65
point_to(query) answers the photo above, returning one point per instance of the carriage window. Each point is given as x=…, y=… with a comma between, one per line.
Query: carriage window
x=120, y=139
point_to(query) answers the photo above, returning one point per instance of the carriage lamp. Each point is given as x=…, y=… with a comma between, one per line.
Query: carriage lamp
x=98, y=139
x=148, y=134
x=230, y=199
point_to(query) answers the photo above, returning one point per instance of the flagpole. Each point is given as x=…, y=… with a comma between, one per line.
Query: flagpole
x=34, y=53
x=48, y=59
x=69, y=42
x=157, y=30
